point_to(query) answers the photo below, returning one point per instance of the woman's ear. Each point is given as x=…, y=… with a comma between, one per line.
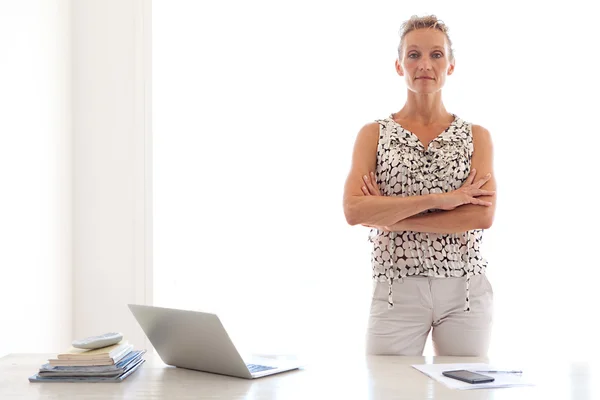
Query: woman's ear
x=451, y=69
x=399, y=69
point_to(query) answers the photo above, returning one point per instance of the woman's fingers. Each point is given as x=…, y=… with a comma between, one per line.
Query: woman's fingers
x=374, y=184
x=365, y=191
x=479, y=202
x=483, y=180
x=481, y=192
x=373, y=191
x=367, y=183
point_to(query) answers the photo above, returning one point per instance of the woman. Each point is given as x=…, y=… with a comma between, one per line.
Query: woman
x=422, y=179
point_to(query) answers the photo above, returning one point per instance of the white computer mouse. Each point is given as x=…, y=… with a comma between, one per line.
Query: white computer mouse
x=96, y=342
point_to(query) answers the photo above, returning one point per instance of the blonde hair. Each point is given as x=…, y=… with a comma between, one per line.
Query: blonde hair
x=425, y=22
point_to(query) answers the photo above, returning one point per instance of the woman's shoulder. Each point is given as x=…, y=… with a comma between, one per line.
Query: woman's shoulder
x=376, y=126
x=376, y=130
x=369, y=132
x=480, y=132
x=480, y=137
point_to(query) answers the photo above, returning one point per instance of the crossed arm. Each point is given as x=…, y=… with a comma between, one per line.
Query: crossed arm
x=460, y=219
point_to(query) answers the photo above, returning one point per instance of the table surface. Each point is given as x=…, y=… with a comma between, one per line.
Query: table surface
x=362, y=377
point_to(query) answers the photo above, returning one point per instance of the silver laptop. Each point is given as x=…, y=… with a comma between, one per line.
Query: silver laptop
x=197, y=340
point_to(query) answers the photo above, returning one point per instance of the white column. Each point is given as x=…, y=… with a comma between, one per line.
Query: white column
x=111, y=181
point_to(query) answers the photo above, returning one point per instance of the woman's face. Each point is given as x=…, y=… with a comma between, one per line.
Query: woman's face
x=425, y=61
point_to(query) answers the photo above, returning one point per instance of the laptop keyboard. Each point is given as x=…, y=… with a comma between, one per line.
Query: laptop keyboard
x=258, y=368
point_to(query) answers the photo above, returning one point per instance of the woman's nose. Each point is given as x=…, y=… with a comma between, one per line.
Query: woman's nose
x=424, y=66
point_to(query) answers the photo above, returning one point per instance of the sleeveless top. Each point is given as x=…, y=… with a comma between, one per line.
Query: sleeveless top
x=406, y=168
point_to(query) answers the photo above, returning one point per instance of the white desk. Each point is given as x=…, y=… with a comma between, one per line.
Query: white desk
x=356, y=377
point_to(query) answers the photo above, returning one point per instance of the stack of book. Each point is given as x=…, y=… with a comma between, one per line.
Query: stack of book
x=107, y=364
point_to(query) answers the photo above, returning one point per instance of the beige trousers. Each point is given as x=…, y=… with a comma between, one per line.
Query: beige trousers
x=423, y=303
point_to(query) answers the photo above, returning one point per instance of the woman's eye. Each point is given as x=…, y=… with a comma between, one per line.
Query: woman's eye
x=438, y=55
x=412, y=54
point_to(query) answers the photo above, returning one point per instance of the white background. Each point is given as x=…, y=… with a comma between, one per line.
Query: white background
x=256, y=106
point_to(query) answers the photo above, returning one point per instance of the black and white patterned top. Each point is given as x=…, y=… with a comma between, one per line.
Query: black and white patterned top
x=406, y=168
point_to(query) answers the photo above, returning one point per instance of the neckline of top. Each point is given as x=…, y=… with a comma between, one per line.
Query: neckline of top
x=454, y=122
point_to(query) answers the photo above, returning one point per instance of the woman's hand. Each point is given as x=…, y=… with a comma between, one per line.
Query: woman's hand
x=370, y=188
x=467, y=193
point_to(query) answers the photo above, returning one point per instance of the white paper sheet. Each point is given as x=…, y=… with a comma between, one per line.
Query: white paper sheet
x=502, y=380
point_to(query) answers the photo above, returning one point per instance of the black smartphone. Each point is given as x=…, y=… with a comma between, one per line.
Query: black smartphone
x=468, y=376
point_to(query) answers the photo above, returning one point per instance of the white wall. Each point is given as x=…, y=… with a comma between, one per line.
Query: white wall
x=35, y=176
x=255, y=115
x=74, y=241
x=109, y=114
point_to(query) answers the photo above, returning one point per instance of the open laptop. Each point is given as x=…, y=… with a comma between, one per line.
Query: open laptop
x=197, y=340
